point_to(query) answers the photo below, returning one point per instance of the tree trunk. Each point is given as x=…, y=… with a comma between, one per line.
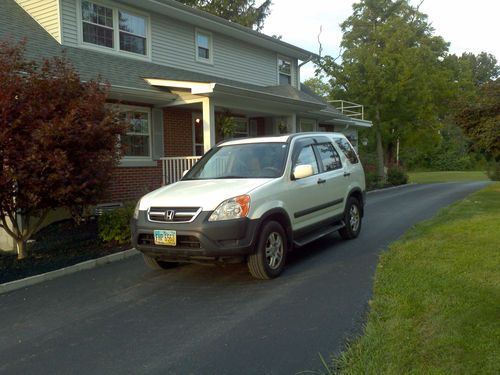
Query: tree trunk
x=380, y=149
x=21, y=249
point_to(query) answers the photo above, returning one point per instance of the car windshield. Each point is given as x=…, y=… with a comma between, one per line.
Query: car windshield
x=250, y=160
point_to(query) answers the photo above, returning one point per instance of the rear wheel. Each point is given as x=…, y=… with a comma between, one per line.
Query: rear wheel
x=269, y=259
x=352, y=219
x=156, y=264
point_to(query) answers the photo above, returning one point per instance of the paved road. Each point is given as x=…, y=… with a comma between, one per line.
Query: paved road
x=123, y=318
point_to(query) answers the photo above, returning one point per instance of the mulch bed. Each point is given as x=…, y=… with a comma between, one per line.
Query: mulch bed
x=56, y=246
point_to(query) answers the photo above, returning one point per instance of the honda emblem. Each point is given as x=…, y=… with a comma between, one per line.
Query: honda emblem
x=169, y=215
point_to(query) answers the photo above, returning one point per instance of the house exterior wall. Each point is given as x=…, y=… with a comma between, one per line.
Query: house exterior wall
x=173, y=45
x=46, y=13
x=130, y=184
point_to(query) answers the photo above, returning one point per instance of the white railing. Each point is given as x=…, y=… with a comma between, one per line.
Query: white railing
x=349, y=108
x=174, y=167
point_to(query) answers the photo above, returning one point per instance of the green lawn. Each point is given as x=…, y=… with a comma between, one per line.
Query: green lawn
x=436, y=304
x=448, y=176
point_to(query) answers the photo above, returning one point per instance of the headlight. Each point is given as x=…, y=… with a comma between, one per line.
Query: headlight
x=136, y=210
x=233, y=208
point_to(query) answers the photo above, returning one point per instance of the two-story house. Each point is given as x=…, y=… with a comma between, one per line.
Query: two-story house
x=172, y=70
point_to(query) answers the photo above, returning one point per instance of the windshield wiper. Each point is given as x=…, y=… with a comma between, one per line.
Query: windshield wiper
x=230, y=176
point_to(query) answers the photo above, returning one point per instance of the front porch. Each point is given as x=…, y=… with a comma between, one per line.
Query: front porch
x=180, y=125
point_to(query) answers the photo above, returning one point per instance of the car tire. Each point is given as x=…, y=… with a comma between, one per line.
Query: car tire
x=270, y=256
x=352, y=219
x=156, y=264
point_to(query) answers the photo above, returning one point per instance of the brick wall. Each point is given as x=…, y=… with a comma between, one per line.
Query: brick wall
x=132, y=183
x=178, y=131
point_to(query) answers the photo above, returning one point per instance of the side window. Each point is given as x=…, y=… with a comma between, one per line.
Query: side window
x=347, y=149
x=329, y=157
x=306, y=156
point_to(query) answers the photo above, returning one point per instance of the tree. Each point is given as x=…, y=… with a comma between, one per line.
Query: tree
x=393, y=64
x=480, y=120
x=317, y=85
x=58, y=141
x=244, y=12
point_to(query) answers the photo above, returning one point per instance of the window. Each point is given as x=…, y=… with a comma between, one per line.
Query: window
x=132, y=33
x=347, y=149
x=241, y=128
x=97, y=24
x=307, y=156
x=204, y=46
x=285, y=71
x=137, y=140
x=99, y=28
x=329, y=157
x=307, y=125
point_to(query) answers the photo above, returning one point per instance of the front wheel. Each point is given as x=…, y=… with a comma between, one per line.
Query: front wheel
x=269, y=259
x=352, y=220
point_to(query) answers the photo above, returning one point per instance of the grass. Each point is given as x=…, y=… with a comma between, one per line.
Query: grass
x=436, y=304
x=446, y=176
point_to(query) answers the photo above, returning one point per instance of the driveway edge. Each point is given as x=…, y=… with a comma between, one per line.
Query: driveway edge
x=88, y=264
x=391, y=188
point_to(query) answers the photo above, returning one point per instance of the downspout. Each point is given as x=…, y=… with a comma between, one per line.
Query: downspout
x=310, y=58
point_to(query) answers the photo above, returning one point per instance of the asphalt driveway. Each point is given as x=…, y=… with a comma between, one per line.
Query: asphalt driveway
x=126, y=319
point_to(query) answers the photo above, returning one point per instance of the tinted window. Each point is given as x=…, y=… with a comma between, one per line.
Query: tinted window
x=252, y=160
x=307, y=156
x=329, y=157
x=347, y=149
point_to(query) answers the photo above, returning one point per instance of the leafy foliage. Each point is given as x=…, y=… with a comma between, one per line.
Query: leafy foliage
x=397, y=176
x=114, y=225
x=58, y=141
x=244, y=12
x=480, y=119
x=319, y=87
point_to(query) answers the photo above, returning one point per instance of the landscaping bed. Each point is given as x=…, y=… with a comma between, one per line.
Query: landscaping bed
x=435, y=305
x=56, y=246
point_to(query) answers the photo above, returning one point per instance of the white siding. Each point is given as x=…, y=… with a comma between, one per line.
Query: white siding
x=46, y=13
x=69, y=22
x=173, y=45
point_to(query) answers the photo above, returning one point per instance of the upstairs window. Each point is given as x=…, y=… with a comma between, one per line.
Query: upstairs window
x=97, y=24
x=204, y=48
x=132, y=33
x=113, y=28
x=285, y=71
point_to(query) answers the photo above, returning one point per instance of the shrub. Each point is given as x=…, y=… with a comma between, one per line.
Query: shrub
x=114, y=225
x=372, y=180
x=397, y=176
x=494, y=171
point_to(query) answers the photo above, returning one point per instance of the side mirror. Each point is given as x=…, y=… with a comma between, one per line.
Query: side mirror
x=185, y=172
x=302, y=171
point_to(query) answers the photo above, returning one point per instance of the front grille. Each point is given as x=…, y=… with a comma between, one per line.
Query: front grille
x=183, y=242
x=173, y=214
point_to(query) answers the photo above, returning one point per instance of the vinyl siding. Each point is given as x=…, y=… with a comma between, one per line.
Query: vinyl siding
x=46, y=13
x=173, y=45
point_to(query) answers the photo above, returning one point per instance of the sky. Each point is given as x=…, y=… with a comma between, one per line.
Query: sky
x=470, y=26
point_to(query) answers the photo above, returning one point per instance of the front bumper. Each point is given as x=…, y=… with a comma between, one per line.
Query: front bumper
x=199, y=240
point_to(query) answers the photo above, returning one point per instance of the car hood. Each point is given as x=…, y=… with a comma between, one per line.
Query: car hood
x=207, y=194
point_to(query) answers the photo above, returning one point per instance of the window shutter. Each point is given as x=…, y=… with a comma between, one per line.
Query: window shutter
x=157, y=133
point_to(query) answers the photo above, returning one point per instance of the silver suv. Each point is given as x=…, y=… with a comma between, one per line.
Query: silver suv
x=253, y=200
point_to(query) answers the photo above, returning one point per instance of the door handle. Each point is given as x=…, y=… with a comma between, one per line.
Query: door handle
x=346, y=174
x=321, y=181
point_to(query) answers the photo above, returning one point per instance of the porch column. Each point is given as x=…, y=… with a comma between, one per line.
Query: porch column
x=208, y=124
x=292, y=123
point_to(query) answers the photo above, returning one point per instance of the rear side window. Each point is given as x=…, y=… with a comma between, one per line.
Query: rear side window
x=306, y=156
x=347, y=149
x=329, y=157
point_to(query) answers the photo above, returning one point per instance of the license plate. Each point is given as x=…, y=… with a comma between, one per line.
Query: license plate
x=165, y=237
